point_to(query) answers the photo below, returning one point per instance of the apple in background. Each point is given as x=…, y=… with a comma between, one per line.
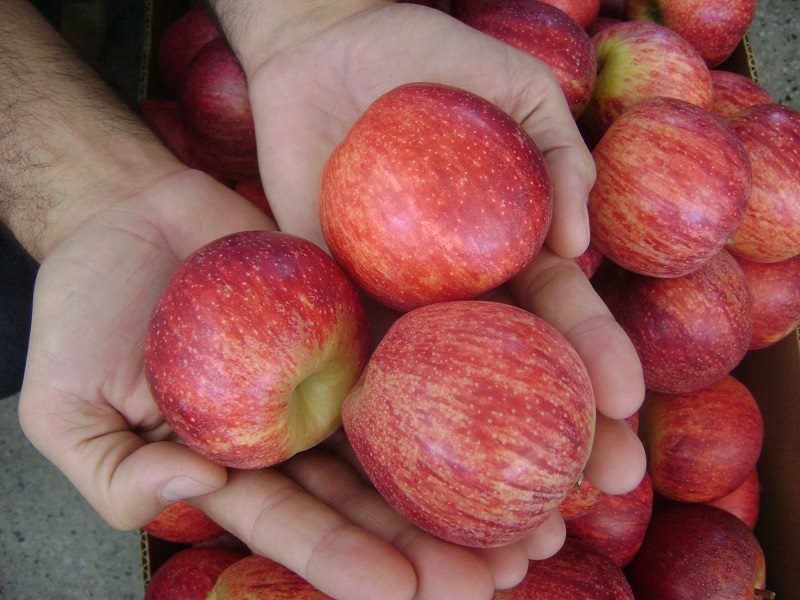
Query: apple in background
x=577, y=572
x=713, y=27
x=775, y=293
x=637, y=61
x=672, y=186
x=744, y=501
x=182, y=523
x=613, y=8
x=253, y=190
x=701, y=445
x=590, y=260
x=599, y=24
x=698, y=551
x=190, y=574
x=617, y=524
x=259, y=577
x=688, y=331
x=582, y=497
x=216, y=109
x=770, y=227
x=472, y=419
x=583, y=12
x=733, y=93
x=544, y=32
x=252, y=347
x=182, y=41
x=435, y=194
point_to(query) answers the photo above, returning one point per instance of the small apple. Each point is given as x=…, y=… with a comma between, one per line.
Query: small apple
x=189, y=574
x=733, y=93
x=435, y=194
x=473, y=419
x=182, y=523
x=216, y=109
x=544, y=32
x=701, y=445
x=713, y=27
x=698, y=551
x=744, y=501
x=259, y=577
x=688, y=331
x=577, y=572
x=616, y=524
x=770, y=227
x=672, y=186
x=182, y=41
x=637, y=61
x=252, y=347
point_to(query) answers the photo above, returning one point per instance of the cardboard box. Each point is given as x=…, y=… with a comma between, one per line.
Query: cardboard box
x=772, y=375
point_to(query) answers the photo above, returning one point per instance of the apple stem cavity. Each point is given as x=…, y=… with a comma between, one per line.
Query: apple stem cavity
x=764, y=595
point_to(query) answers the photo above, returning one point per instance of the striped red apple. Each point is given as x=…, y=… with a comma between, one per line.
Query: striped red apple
x=733, y=93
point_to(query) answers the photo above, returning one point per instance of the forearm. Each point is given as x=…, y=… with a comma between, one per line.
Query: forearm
x=68, y=146
x=258, y=29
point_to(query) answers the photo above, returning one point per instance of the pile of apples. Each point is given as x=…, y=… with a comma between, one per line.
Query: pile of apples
x=474, y=418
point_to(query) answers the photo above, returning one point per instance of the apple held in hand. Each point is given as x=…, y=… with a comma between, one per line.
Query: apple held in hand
x=637, y=61
x=701, y=445
x=672, y=186
x=688, y=331
x=698, y=551
x=259, y=577
x=190, y=574
x=713, y=27
x=252, y=347
x=472, y=419
x=577, y=572
x=183, y=523
x=435, y=194
x=770, y=227
x=733, y=93
x=544, y=32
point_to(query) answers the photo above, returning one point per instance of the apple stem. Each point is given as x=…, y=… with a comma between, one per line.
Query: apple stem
x=764, y=595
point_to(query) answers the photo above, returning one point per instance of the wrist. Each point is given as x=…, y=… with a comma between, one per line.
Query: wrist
x=258, y=30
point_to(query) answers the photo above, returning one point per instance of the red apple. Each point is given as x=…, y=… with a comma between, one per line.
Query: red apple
x=688, y=331
x=577, y=572
x=472, y=419
x=183, y=523
x=259, y=577
x=672, y=186
x=744, y=501
x=583, y=12
x=435, y=194
x=253, y=190
x=582, y=498
x=189, y=574
x=775, y=293
x=637, y=61
x=698, y=551
x=182, y=41
x=617, y=524
x=546, y=33
x=216, y=109
x=713, y=27
x=770, y=228
x=733, y=93
x=590, y=260
x=252, y=347
x=701, y=445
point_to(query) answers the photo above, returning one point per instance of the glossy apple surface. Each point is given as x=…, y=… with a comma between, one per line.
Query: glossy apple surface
x=252, y=347
x=733, y=93
x=183, y=523
x=259, y=577
x=472, y=419
x=770, y=227
x=697, y=551
x=435, y=194
x=182, y=41
x=701, y=445
x=637, y=61
x=616, y=524
x=713, y=27
x=189, y=574
x=744, y=501
x=672, y=185
x=545, y=32
x=577, y=572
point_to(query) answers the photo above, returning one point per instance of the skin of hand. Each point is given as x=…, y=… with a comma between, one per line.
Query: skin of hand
x=110, y=214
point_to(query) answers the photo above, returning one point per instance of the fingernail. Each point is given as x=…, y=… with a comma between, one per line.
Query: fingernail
x=180, y=488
